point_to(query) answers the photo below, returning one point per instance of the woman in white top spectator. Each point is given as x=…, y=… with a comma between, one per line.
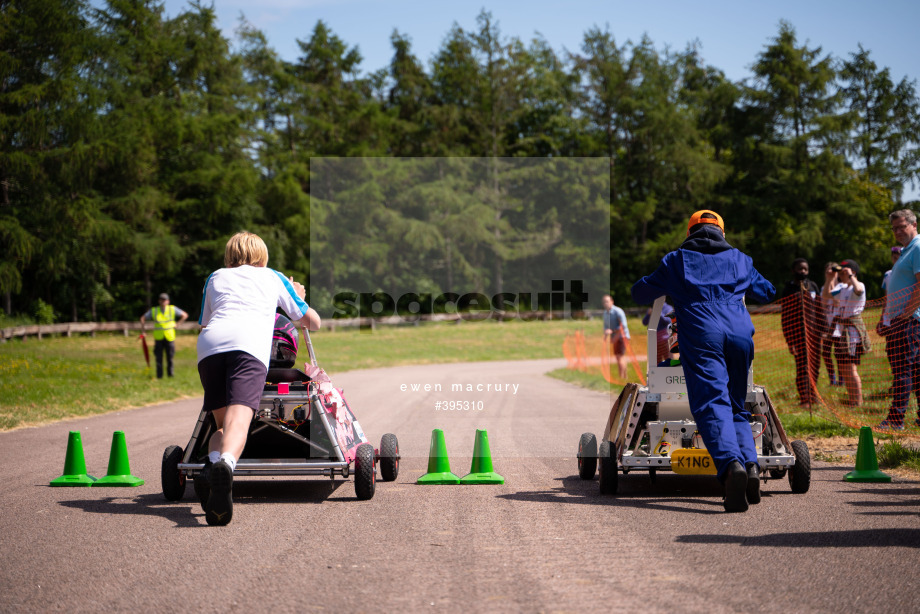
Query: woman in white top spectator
x=849, y=298
x=827, y=321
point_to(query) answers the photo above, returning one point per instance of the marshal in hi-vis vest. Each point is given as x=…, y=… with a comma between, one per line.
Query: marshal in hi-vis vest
x=164, y=323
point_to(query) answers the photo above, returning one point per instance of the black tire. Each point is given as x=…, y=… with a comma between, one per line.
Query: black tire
x=365, y=472
x=389, y=457
x=587, y=456
x=777, y=474
x=800, y=472
x=172, y=480
x=607, y=465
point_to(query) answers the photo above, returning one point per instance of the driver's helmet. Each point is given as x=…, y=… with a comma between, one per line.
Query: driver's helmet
x=672, y=334
x=284, y=344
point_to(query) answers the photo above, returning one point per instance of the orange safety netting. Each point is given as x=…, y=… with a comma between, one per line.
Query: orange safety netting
x=595, y=354
x=800, y=344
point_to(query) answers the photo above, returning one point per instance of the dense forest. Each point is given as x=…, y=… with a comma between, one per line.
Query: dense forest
x=132, y=145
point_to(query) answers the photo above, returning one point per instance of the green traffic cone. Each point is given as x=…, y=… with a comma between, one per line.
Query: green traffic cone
x=481, y=470
x=866, y=461
x=119, y=473
x=438, y=463
x=74, y=464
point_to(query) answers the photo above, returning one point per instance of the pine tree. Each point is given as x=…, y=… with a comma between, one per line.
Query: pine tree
x=886, y=120
x=790, y=176
x=408, y=97
x=48, y=218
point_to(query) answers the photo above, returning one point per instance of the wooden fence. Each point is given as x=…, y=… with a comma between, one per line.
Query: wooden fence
x=126, y=328
x=91, y=328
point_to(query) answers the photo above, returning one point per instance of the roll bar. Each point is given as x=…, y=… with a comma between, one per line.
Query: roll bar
x=652, y=355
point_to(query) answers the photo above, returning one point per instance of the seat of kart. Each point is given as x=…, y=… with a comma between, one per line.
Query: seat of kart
x=278, y=375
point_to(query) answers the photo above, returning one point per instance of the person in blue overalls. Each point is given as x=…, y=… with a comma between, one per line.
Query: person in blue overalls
x=707, y=280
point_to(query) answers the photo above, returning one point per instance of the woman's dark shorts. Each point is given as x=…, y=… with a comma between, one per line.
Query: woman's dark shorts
x=232, y=378
x=842, y=352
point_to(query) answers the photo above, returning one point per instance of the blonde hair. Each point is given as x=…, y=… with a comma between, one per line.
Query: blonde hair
x=245, y=248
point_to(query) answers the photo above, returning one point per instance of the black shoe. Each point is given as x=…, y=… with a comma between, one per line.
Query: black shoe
x=891, y=423
x=735, y=482
x=202, y=483
x=753, y=484
x=219, y=510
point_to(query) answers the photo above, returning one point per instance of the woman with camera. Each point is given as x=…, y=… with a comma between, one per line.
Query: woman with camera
x=826, y=321
x=848, y=296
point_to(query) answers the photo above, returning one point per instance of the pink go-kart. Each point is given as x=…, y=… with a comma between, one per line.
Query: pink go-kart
x=304, y=426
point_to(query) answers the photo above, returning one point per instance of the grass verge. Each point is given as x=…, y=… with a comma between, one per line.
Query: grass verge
x=894, y=454
x=585, y=380
x=800, y=425
x=60, y=378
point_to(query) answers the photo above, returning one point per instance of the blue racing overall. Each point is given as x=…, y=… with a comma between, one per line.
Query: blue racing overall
x=707, y=279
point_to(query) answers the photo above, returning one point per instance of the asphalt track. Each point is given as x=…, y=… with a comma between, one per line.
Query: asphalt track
x=543, y=541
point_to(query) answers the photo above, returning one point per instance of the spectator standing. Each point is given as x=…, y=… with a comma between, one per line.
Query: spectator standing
x=849, y=333
x=800, y=329
x=903, y=316
x=164, y=332
x=616, y=331
x=884, y=325
x=895, y=254
x=825, y=319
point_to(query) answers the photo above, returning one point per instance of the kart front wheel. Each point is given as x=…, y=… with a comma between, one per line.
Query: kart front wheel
x=365, y=472
x=587, y=456
x=389, y=457
x=607, y=465
x=800, y=472
x=172, y=480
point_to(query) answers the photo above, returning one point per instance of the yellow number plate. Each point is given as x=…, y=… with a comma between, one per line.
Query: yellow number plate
x=692, y=461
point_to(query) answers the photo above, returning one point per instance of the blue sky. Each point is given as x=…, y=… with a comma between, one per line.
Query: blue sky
x=730, y=32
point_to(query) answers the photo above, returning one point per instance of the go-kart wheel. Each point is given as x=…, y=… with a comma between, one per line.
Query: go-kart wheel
x=389, y=457
x=607, y=469
x=777, y=474
x=171, y=478
x=365, y=472
x=800, y=472
x=587, y=456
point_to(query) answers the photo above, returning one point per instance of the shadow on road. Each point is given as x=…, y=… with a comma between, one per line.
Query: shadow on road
x=897, y=492
x=187, y=512
x=288, y=491
x=887, y=503
x=149, y=505
x=862, y=538
x=668, y=493
x=904, y=507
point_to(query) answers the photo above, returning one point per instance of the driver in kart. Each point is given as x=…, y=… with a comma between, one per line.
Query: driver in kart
x=707, y=280
x=234, y=348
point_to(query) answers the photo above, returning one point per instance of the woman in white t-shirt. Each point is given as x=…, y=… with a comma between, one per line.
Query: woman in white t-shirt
x=238, y=315
x=849, y=298
x=827, y=323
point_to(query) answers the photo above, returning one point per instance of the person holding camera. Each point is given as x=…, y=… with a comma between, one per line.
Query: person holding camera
x=851, y=341
x=826, y=321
